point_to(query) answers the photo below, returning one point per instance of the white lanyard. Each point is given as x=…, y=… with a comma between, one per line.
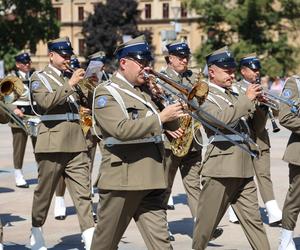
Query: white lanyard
x=148, y=104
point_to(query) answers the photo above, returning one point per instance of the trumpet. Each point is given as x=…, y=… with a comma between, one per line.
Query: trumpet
x=187, y=96
x=86, y=120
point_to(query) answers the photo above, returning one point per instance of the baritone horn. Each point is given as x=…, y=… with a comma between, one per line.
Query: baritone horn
x=180, y=146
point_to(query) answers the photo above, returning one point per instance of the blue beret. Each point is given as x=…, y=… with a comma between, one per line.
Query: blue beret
x=136, y=48
x=178, y=48
x=23, y=58
x=251, y=62
x=61, y=46
x=222, y=58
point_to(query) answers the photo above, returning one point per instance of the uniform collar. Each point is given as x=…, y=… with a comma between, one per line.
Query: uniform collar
x=216, y=86
x=22, y=74
x=57, y=71
x=120, y=76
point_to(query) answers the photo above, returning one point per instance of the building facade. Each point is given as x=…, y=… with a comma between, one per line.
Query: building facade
x=166, y=19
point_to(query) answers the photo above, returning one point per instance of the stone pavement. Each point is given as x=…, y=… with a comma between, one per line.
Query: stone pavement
x=15, y=208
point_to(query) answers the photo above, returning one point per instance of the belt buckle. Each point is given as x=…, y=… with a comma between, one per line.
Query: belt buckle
x=70, y=117
x=157, y=139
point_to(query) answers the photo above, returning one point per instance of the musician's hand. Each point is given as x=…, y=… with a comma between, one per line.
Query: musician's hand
x=78, y=75
x=85, y=110
x=171, y=112
x=18, y=112
x=253, y=91
x=175, y=134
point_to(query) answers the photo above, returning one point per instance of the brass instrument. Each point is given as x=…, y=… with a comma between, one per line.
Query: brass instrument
x=274, y=125
x=180, y=146
x=192, y=108
x=11, y=88
x=84, y=86
x=272, y=104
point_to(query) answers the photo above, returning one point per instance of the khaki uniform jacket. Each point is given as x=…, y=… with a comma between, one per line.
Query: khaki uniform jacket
x=291, y=121
x=137, y=166
x=56, y=136
x=188, y=82
x=257, y=122
x=223, y=159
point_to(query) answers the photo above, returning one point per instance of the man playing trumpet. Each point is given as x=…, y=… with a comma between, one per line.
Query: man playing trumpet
x=61, y=147
x=250, y=71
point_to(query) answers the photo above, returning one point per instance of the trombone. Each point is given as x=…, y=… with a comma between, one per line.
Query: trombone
x=184, y=96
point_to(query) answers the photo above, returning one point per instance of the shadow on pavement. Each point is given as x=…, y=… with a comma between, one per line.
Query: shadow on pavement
x=180, y=199
x=7, y=219
x=6, y=190
x=32, y=181
x=69, y=242
x=12, y=246
x=183, y=226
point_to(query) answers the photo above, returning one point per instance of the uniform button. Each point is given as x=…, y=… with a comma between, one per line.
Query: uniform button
x=249, y=110
x=152, y=133
x=66, y=91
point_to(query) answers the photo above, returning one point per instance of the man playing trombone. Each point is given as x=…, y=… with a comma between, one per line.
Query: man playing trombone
x=227, y=174
x=250, y=71
x=188, y=162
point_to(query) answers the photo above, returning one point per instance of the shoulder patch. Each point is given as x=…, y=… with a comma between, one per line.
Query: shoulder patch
x=101, y=101
x=287, y=93
x=35, y=85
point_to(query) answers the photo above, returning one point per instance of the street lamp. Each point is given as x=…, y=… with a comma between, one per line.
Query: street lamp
x=176, y=11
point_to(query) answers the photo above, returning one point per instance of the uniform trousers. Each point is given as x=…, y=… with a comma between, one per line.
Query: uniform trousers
x=291, y=207
x=263, y=176
x=92, y=142
x=215, y=197
x=74, y=168
x=190, y=167
x=117, y=208
x=19, y=146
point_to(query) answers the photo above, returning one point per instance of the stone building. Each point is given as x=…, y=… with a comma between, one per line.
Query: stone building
x=167, y=19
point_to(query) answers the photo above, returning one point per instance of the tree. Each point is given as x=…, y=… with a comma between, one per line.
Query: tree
x=104, y=29
x=23, y=24
x=261, y=26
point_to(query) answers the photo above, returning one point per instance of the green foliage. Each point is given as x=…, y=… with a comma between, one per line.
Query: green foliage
x=23, y=24
x=248, y=26
x=104, y=29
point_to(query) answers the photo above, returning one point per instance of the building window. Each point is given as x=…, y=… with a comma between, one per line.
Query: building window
x=183, y=9
x=57, y=13
x=147, y=11
x=80, y=13
x=165, y=10
x=81, y=47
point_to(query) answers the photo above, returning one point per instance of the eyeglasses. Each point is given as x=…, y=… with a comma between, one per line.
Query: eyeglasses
x=141, y=62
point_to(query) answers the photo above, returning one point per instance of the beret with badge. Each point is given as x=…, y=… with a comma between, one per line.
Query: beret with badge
x=61, y=46
x=251, y=61
x=23, y=57
x=222, y=58
x=136, y=48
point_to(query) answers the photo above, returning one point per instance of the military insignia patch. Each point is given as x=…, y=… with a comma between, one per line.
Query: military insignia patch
x=287, y=93
x=101, y=102
x=35, y=85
